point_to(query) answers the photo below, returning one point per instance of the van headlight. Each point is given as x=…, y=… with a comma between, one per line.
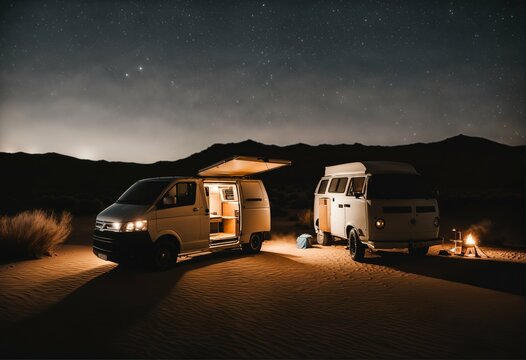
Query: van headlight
x=116, y=226
x=140, y=225
x=379, y=223
x=436, y=222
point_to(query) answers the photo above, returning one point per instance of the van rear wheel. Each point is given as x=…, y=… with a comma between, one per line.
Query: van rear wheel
x=164, y=255
x=356, y=248
x=254, y=245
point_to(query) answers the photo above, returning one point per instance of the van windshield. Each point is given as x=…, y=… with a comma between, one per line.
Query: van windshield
x=398, y=186
x=143, y=192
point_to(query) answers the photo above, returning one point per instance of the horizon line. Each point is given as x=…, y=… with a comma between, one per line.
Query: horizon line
x=260, y=143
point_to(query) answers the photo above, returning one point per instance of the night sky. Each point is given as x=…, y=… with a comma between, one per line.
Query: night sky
x=146, y=81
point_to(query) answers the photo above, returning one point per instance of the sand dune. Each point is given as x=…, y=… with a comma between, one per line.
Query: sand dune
x=282, y=303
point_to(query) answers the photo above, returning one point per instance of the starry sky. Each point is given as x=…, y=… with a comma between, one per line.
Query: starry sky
x=144, y=81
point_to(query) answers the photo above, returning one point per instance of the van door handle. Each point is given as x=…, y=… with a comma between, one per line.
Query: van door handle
x=196, y=209
x=347, y=205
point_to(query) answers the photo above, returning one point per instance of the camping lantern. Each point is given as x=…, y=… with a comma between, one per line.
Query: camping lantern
x=457, y=241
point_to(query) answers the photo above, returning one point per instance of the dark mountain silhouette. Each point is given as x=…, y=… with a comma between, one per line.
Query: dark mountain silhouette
x=461, y=166
x=477, y=179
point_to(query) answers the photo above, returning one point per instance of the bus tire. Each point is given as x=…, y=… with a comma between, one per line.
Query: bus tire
x=323, y=238
x=356, y=248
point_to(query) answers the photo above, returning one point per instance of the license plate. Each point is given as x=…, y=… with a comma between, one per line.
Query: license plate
x=102, y=256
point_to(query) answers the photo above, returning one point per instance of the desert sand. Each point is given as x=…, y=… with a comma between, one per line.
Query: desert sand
x=282, y=303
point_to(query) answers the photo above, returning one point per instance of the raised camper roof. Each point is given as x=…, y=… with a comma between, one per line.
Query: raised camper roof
x=371, y=167
x=238, y=166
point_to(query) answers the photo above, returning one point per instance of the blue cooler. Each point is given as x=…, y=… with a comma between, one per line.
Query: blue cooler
x=304, y=241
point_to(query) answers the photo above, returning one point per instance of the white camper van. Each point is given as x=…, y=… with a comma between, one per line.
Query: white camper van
x=381, y=205
x=160, y=218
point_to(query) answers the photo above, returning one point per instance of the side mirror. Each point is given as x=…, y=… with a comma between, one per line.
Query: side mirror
x=169, y=200
x=358, y=194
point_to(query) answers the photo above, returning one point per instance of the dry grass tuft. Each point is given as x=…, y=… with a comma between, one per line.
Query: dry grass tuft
x=32, y=234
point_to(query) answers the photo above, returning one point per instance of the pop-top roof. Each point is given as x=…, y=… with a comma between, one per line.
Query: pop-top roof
x=238, y=166
x=371, y=167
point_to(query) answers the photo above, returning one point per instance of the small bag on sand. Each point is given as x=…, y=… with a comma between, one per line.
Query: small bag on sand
x=304, y=241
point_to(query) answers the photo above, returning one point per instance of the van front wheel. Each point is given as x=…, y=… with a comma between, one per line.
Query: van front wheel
x=254, y=245
x=356, y=248
x=164, y=255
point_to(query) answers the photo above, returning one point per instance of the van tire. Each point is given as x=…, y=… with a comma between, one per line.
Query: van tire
x=164, y=255
x=418, y=251
x=254, y=244
x=323, y=238
x=356, y=248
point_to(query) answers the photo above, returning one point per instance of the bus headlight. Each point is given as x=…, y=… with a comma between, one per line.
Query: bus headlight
x=379, y=223
x=436, y=222
x=140, y=225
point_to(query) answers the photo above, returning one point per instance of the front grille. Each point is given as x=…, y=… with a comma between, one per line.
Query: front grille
x=104, y=244
x=120, y=246
x=397, y=209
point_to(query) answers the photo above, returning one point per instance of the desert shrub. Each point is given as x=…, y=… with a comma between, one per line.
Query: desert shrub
x=32, y=234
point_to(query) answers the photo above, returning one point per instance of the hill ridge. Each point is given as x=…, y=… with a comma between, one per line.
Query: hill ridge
x=458, y=166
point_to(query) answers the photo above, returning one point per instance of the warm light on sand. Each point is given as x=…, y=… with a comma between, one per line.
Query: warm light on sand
x=470, y=240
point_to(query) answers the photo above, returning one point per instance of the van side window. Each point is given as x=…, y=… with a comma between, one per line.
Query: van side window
x=184, y=192
x=338, y=185
x=357, y=186
x=323, y=186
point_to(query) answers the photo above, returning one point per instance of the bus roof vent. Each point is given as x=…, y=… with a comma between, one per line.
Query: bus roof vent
x=371, y=167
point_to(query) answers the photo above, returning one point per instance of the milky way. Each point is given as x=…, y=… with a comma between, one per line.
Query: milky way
x=145, y=81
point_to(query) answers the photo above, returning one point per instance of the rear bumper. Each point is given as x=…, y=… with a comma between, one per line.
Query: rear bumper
x=375, y=245
x=120, y=247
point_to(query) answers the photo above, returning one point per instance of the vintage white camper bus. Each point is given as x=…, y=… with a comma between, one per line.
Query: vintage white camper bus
x=160, y=218
x=381, y=205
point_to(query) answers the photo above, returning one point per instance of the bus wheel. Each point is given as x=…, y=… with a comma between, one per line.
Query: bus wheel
x=356, y=248
x=164, y=255
x=254, y=245
x=323, y=238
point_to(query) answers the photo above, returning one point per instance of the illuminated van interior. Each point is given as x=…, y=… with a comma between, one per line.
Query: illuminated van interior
x=223, y=203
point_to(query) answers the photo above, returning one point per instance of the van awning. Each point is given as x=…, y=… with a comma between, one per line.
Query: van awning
x=242, y=166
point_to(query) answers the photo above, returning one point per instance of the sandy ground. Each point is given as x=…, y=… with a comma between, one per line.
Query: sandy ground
x=282, y=303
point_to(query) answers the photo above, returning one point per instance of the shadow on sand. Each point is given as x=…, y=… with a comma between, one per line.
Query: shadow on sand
x=486, y=273
x=89, y=319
